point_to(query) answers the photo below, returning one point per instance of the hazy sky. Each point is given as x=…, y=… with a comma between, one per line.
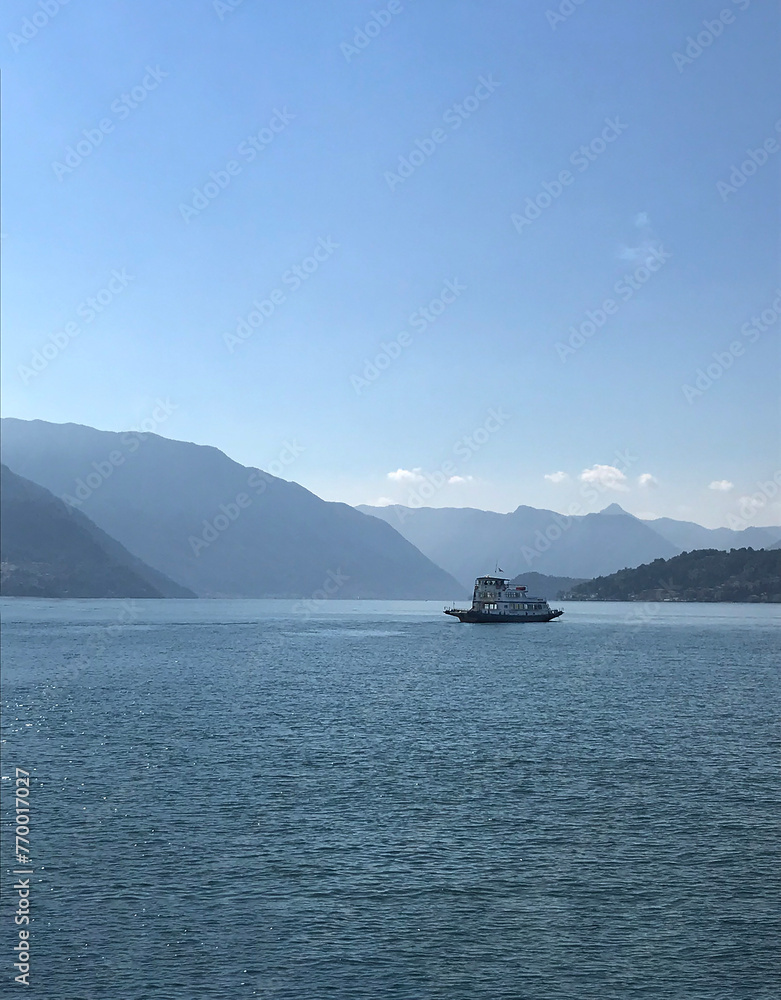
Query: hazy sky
x=261, y=198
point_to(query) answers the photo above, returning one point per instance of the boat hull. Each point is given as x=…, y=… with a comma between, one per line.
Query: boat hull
x=482, y=618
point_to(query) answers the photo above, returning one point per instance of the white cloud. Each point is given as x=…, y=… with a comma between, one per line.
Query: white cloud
x=556, y=477
x=407, y=476
x=606, y=476
x=646, y=479
x=749, y=505
x=722, y=485
x=644, y=251
x=382, y=502
x=458, y=480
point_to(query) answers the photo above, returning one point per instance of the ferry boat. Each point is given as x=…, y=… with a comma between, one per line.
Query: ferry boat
x=494, y=600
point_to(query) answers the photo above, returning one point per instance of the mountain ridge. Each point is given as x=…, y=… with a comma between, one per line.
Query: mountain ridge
x=467, y=541
x=49, y=550
x=216, y=527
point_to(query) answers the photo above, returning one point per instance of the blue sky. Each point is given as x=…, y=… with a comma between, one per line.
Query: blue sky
x=417, y=208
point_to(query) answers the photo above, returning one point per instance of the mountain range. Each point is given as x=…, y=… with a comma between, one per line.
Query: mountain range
x=215, y=527
x=467, y=542
x=196, y=522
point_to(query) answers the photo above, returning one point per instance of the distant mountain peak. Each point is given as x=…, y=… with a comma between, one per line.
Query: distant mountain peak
x=614, y=508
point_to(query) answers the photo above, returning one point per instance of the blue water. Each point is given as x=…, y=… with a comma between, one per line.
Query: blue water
x=374, y=801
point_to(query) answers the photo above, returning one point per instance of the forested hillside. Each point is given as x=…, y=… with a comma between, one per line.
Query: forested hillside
x=703, y=575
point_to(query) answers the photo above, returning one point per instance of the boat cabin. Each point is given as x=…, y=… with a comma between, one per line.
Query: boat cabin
x=494, y=594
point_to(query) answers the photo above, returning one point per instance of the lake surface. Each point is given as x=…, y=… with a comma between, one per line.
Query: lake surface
x=235, y=798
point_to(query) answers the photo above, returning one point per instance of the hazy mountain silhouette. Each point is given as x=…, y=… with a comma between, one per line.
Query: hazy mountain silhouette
x=467, y=542
x=688, y=535
x=215, y=526
x=50, y=550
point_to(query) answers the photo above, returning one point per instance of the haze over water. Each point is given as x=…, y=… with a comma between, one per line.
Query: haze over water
x=232, y=798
